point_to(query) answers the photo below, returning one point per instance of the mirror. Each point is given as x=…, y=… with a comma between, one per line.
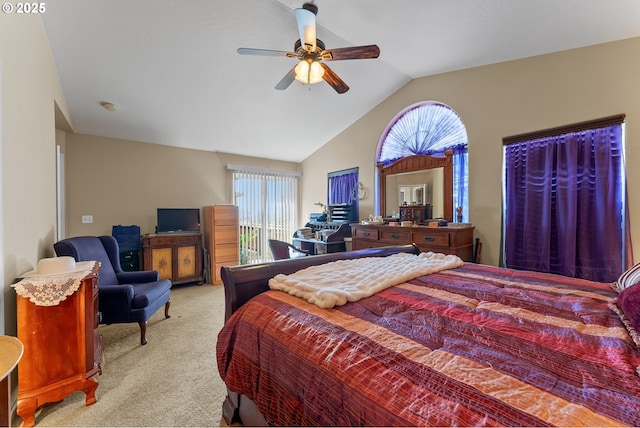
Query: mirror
x=412, y=194
x=416, y=188
x=431, y=176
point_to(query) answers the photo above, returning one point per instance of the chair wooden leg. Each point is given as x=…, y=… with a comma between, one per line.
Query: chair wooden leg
x=143, y=332
x=143, y=324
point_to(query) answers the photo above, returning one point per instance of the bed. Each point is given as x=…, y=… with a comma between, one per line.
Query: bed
x=473, y=345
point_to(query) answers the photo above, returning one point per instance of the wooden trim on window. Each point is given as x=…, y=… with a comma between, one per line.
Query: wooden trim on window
x=566, y=129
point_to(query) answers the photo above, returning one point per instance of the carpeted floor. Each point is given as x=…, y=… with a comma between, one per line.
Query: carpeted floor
x=172, y=381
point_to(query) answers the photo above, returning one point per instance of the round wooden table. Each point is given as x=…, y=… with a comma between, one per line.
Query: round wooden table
x=10, y=353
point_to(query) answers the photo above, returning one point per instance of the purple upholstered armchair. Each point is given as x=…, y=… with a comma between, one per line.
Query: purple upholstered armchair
x=123, y=296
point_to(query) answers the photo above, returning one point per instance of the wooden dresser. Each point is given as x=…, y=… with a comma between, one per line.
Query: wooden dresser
x=447, y=240
x=221, y=238
x=176, y=256
x=62, y=349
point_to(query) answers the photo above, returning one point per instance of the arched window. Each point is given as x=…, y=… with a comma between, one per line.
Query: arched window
x=429, y=128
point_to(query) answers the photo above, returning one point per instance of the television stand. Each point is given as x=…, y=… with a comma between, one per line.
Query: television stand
x=176, y=255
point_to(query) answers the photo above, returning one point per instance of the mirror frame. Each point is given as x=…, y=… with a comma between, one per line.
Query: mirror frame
x=418, y=163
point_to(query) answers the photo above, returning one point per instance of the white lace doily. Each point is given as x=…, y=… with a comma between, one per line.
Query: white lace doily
x=50, y=290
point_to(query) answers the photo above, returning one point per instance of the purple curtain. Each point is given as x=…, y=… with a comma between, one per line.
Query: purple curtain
x=565, y=207
x=343, y=188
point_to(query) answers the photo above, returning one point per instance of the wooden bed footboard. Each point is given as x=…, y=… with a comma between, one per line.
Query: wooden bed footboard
x=243, y=282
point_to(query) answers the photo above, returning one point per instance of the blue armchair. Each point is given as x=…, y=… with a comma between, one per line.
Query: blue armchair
x=123, y=297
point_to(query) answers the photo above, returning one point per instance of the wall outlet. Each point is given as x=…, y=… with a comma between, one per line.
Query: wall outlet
x=87, y=219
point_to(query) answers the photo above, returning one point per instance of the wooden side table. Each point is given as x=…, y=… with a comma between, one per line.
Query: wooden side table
x=62, y=346
x=10, y=353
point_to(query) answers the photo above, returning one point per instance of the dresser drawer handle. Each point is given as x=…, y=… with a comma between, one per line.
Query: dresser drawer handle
x=395, y=236
x=429, y=238
x=365, y=233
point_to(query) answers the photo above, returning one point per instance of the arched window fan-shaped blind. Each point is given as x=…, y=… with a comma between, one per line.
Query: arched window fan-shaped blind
x=424, y=128
x=429, y=128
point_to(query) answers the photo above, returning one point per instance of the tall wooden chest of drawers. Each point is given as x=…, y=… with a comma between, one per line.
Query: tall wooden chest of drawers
x=221, y=238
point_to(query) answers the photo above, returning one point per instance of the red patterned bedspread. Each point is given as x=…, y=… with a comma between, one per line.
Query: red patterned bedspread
x=477, y=345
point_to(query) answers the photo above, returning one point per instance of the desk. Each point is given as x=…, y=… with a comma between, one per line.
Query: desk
x=10, y=353
x=333, y=238
x=317, y=246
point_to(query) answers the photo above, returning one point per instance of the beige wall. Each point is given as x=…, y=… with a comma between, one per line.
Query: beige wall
x=30, y=89
x=496, y=101
x=124, y=182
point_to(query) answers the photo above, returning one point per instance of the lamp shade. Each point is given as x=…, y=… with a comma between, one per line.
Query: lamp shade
x=309, y=72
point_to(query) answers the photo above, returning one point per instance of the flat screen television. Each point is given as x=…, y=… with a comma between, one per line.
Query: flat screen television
x=172, y=220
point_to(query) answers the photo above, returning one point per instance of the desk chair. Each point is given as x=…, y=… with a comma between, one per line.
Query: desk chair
x=283, y=250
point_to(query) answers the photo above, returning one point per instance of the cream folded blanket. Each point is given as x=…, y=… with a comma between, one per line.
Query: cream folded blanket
x=342, y=281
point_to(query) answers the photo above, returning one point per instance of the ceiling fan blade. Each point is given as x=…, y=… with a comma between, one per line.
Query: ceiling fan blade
x=307, y=28
x=287, y=79
x=333, y=80
x=265, y=52
x=355, y=52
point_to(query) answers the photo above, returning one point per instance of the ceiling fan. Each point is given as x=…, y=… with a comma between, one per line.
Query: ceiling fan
x=311, y=53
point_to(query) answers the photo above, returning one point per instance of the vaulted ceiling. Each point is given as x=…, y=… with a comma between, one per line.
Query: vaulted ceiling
x=173, y=73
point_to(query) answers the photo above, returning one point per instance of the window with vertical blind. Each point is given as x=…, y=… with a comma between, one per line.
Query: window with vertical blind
x=267, y=203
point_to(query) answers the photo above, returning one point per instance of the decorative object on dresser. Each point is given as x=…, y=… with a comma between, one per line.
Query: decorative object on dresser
x=124, y=296
x=415, y=213
x=57, y=309
x=176, y=256
x=448, y=240
x=221, y=238
x=129, y=239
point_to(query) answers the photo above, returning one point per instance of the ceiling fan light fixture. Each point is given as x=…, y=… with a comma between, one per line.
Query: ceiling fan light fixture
x=309, y=72
x=311, y=53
